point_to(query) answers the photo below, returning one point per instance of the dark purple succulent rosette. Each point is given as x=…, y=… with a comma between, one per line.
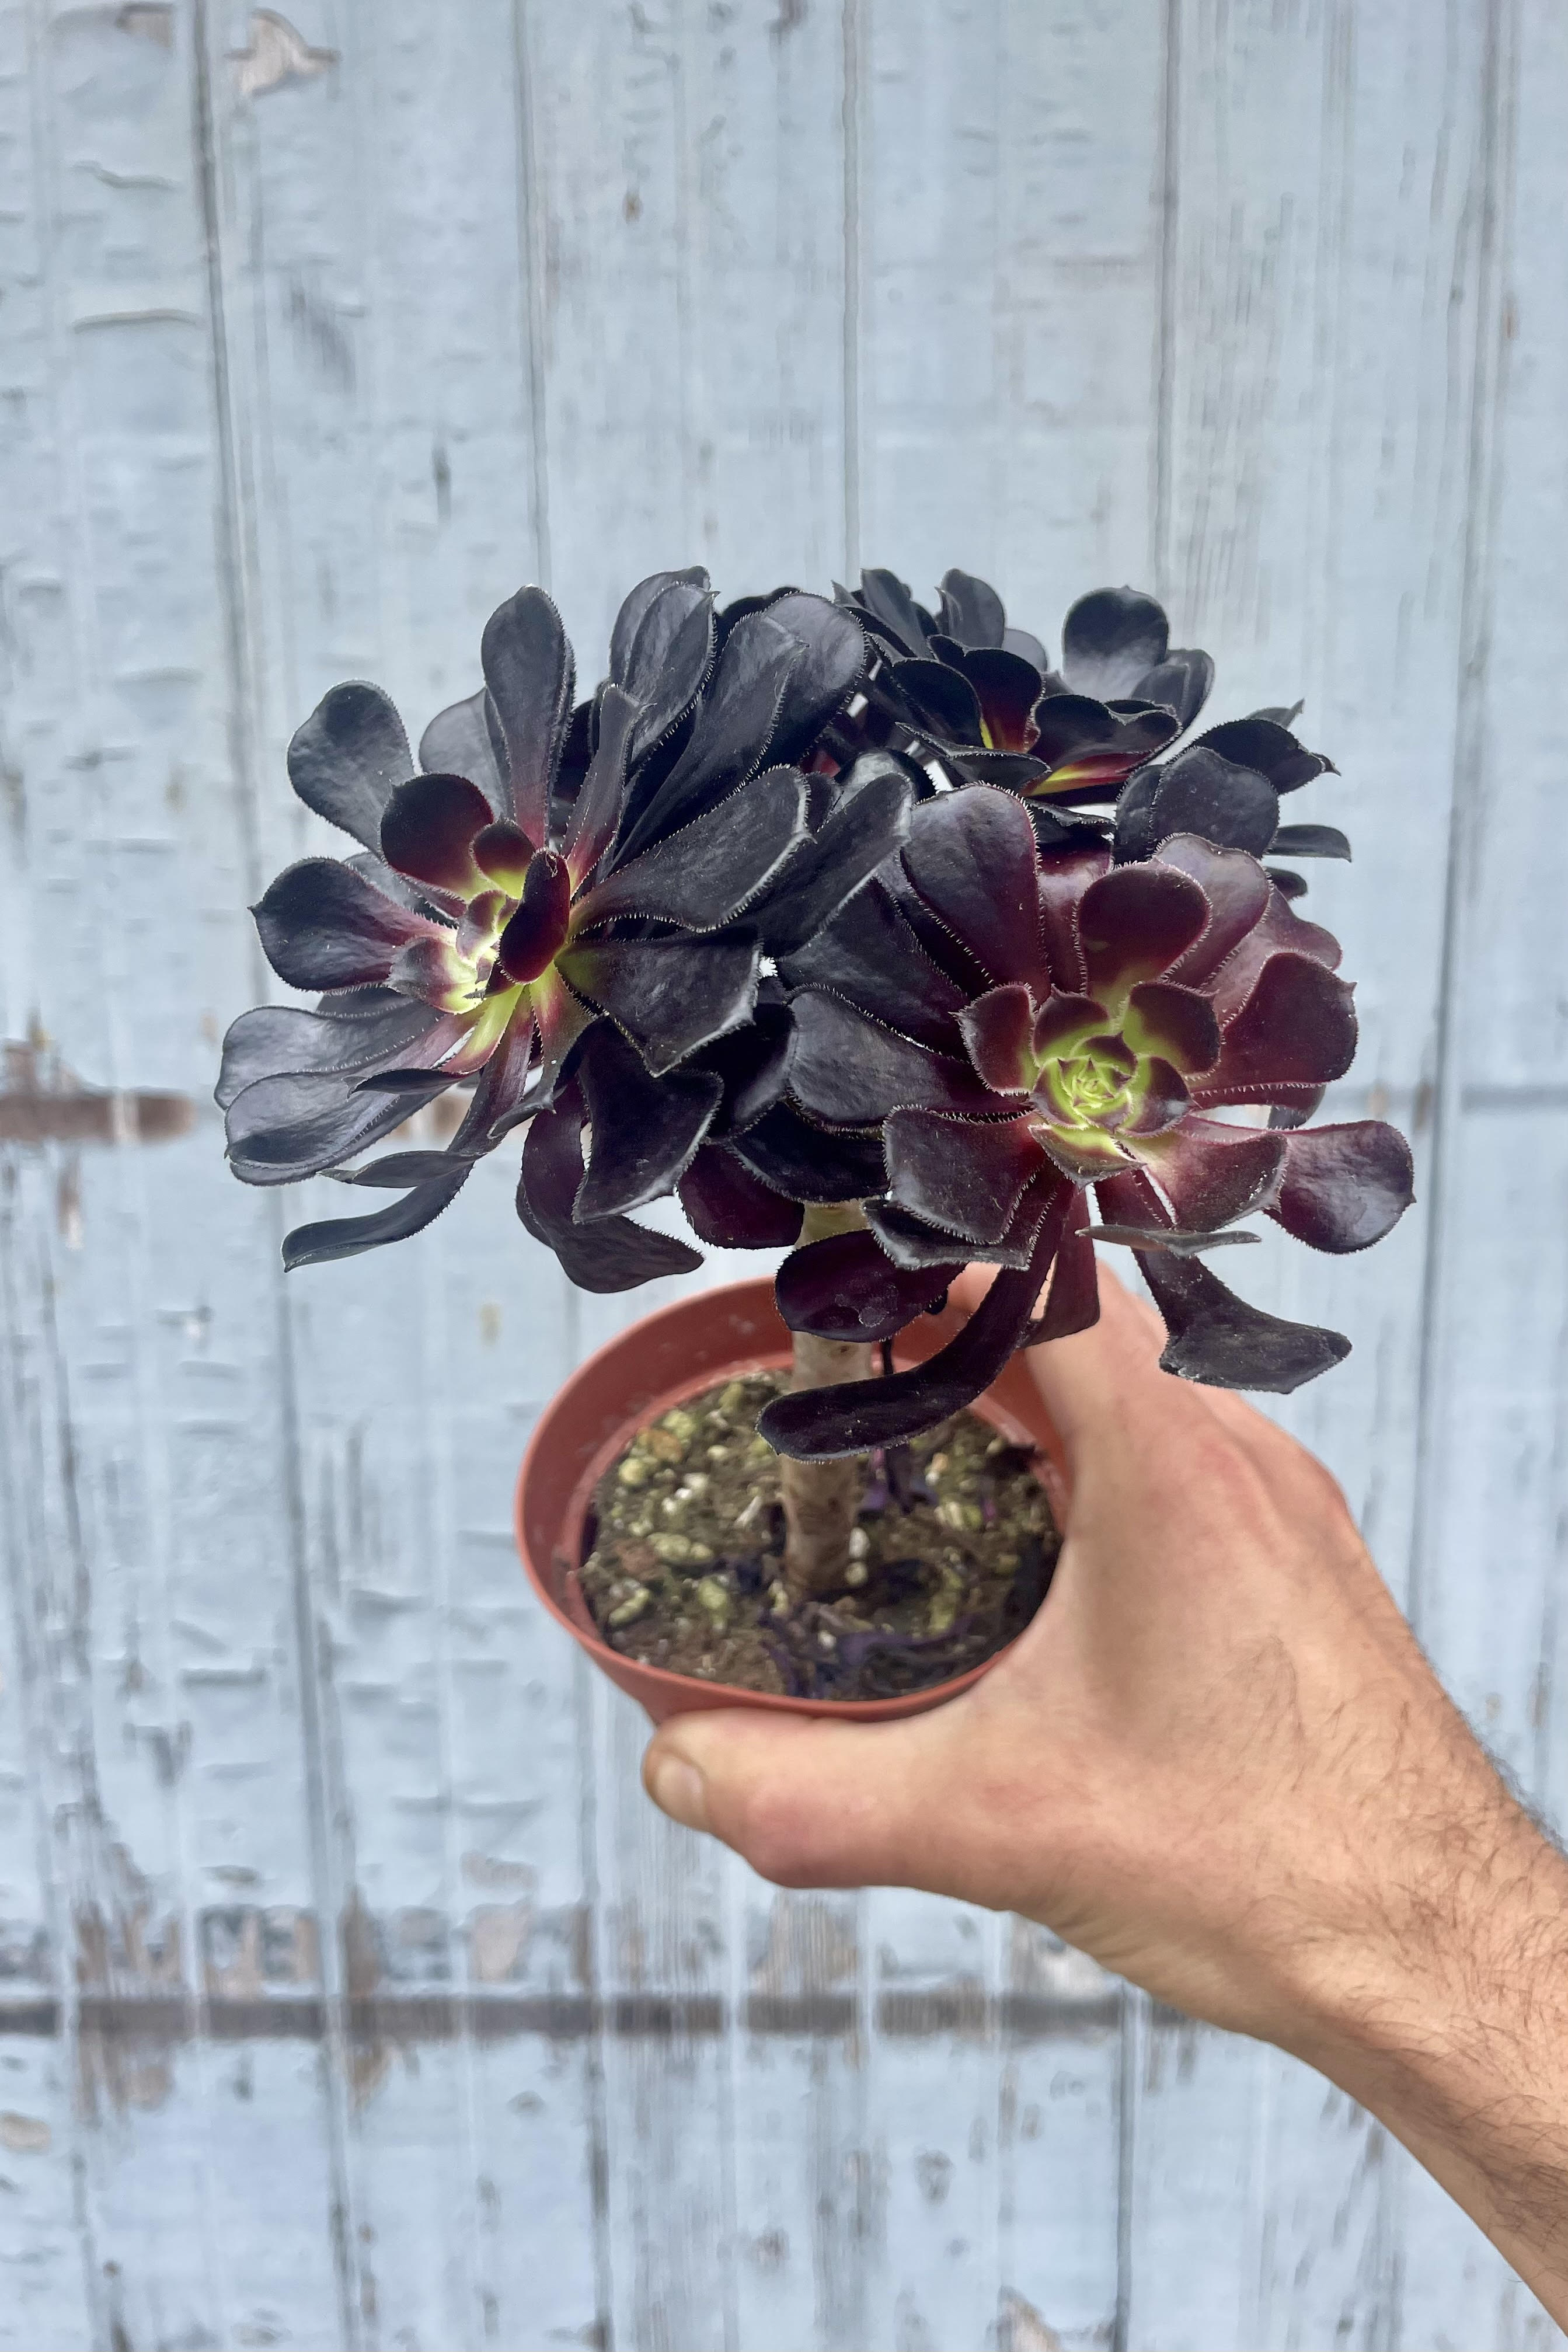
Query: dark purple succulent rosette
x=1028, y=1028
x=960, y=689
x=570, y=909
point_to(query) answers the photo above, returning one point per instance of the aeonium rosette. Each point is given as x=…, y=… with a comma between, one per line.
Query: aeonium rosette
x=1028, y=1027
x=567, y=908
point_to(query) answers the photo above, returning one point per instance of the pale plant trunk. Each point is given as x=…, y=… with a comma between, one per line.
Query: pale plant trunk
x=822, y=1499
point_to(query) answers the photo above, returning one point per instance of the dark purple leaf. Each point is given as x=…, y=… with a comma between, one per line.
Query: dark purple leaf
x=537, y=931
x=1198, y=792
x=660, y=652
x=910, y=1241
x=277, y=1041
x=1236, y=890
x=1027, y=646
x=869, y=953
x=1303, y=1103
x=644, y=1130
x=972, y=610
x=867, y=819
x=754, y=1064
x=832, y=664
x=733, y=729
x=818, y=1424
x=503, y=851
x=323, y=926
x=999, y=1030
x=1064, y=876
x=1134, y=922
x=1216, y=1338
x=1288, y=884
x=1344, y=1187
x=429, y=830
x=1160, y=1100
x=340, y=1237
x=527, y=668
x=1298, y=1028
x=968, y=1176
x=707, y=873
x=852, y=1070
x=1279, y=929
x=1181, y=681
x=1089, y=748
x=805, y=1162
x=671, y=996
x=1176, y=1023
x=1210, y=1173
x=1272, y=749
x=970, y=856
x=1008, y=689
x=282, y=1129
x=613, y=1253
x=1310, y=841
x=888, y=603
x=939, y=701
x=1110, y=640
x=347, y=757
x=596, y=811
x=731, y=1209
x=1072, y=1303
x=846, y=1287
x=465, y=740
x=1168, y=1237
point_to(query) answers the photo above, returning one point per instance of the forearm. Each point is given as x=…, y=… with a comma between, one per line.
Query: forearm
x=1454, y=2033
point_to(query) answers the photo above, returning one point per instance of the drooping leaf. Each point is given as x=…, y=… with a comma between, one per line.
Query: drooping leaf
x=1072, y=1304
x=341, y=1237
x=278, y=1041
x=613, y=1253
x=910, y=1241
x=730, y=1208
x=670, y=996
x=1344, y=1187
x=852, y=1070
x=1169, y=1238
x=348, y=756
x=1218, y=1339
x=704, y=875
x=819, y=1425
x=970, y=857
x=283, y=1129
x=966, y=1176
x=321, y=926
x=644, y=1130
x=529, y=671
x=846, y=1287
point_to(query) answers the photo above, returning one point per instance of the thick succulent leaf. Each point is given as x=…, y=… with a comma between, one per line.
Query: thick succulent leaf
x=910, y=1241
x=970, y=857
x=832, y=664
x=1298, y=1028
x=865, y=821
x=613, y=1253
x=966, y=1176
x=418, y=897
x=888, y=603
x=939, y=701
x=670, y=996
x=433, y=969
x=397, y=1170
x=661, y=649
x=1027, y=646
x=283, y=1129
x=465, y=740
x=527, y=668
x=1084, y=1154
x=818, y=1424
x=1296, y=1106
x=278, y=1041
x=1181, y=681
x=1160, y=1101
x=1344, y=1187
x=869, y=953
x=1198, y=792
x=1218, y=1339
x=348, y=756
x=1175, y=1023
x=1064, y=1023
x=563, y=1020
x=596, y=812
x=1262, y=744
x=734, y=727
x=1058, y=829
x=971, y=609
x=1008, y=689
x=999, y=1030
x=1064, y=876
x=644, y=1130
x=1072, y=1303
x=852, y=1070
x=1236, y=890
x=707, y=873
x=323, y=926
x=753, y=1064
x=1110, y=640
x=1310, y=841
x=338, y=1237
x=730, y=1208
x=428, y=829
x=1288, y=884
x=1133, y=923
x=846, y=1287
x=1168, y=1237
x=1278, y=930
x=1087, y=749
x=1211, y=1174
x=805, y=1162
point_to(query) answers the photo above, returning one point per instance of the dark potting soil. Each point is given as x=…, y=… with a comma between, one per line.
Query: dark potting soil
x=951, y=1554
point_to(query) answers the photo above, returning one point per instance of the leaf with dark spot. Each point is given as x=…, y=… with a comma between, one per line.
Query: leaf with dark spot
x=846, y=1287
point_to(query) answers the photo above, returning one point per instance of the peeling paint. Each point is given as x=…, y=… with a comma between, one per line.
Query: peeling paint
x=277, y=55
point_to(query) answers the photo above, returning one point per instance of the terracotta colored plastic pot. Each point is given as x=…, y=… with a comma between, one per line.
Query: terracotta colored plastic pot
x=672, y=1355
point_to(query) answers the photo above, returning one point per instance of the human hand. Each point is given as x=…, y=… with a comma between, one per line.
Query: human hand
x=1218, y=1762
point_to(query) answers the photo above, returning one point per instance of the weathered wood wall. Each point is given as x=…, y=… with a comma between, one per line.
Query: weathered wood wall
x=350, y=1992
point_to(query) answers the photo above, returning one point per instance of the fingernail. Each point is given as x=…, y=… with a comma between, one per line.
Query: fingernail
x=678, y=1789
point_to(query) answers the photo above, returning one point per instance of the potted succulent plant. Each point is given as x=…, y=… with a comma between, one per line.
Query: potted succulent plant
x=873, y=938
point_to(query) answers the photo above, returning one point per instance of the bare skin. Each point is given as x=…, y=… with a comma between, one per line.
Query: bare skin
x=1218, y=1762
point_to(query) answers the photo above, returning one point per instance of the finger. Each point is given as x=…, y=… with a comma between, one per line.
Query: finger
x=1088, y=1382
x=809, y=1803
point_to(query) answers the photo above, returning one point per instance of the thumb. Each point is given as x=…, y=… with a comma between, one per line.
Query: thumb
x=809, y=1803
